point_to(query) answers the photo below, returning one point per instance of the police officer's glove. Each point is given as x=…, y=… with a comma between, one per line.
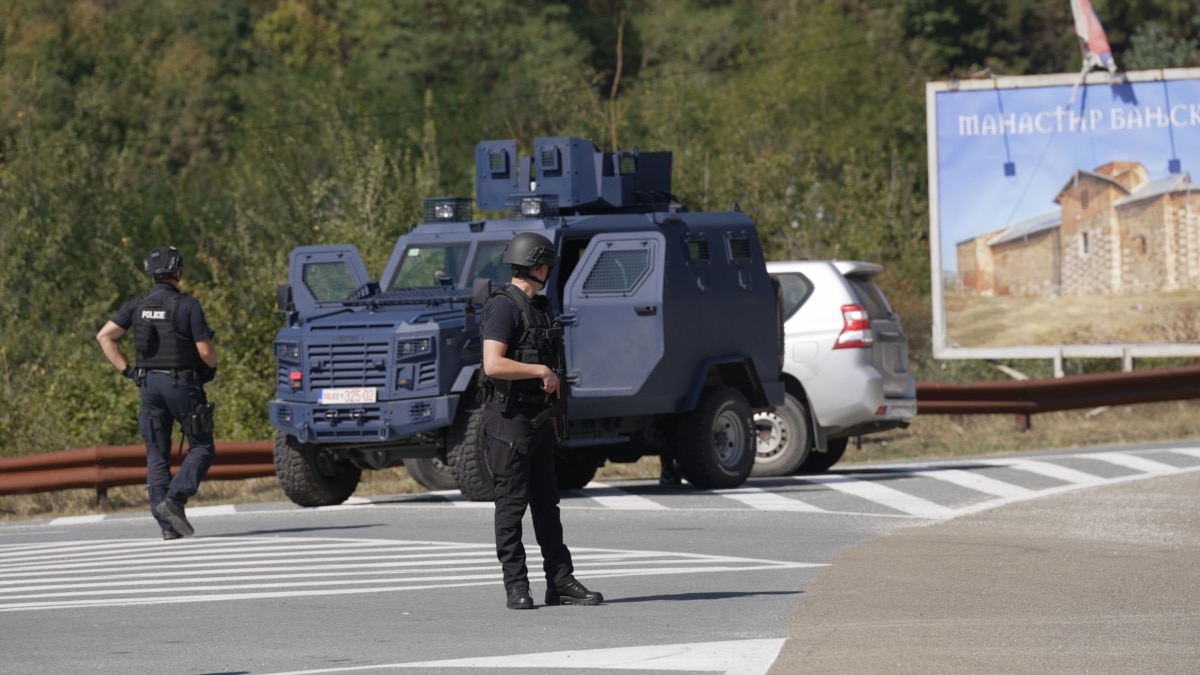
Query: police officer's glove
x=206, y=374
x=128, y=371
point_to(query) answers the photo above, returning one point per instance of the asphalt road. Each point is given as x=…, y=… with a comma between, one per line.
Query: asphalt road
x=1058, y=562
x=1103, y=580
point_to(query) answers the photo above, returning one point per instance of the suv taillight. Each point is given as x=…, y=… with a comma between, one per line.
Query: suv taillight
x=856, y=333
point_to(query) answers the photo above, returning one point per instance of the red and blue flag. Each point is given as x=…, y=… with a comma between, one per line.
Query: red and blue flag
x=1097, y=52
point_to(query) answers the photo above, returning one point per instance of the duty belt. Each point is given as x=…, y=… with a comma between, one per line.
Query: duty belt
x=185, y=373
x=521, y=398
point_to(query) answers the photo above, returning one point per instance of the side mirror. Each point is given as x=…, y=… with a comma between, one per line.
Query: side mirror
x=283, y=298
x=481, y=288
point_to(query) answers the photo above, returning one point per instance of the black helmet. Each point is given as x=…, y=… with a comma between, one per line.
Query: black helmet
x=162, y=261
x=530, y=249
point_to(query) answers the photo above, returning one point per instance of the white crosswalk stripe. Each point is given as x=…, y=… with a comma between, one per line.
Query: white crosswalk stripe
x=142, y=572
x=1190, y=452
x=1056, y=471
x=758, y=498
x=978, y=482
x=882, y=494
x=1134, y=462
x=612, y=497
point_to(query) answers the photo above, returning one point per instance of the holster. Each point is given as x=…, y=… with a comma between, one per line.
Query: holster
x=199, y=420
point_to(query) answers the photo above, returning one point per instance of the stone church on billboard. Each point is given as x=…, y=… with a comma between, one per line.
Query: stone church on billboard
x=1115, y=232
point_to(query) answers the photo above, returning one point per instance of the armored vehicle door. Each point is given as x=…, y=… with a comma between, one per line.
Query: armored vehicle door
x=322, y=277
x=613, y=314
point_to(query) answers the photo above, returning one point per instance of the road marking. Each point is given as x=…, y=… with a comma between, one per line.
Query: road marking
x=614, y=498
x=882, y=494
x=978, y=482
x=733, y=657
x=758, y=498
x=207, y=569
x=1134, y=462
x=1190, y=452
x=1056, y=471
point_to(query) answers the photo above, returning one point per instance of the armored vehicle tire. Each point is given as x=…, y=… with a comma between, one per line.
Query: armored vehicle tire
x=468, y=456
x=432, y=473
x=574, y=471
x=820, y=462
x=715, y=442
x=311, y=475
x=784, y=439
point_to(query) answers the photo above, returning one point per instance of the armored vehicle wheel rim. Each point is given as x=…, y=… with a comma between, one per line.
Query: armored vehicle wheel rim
x=714, y=440
x=728, y=438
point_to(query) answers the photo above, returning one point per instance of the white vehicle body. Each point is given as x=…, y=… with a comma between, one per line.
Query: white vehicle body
x=845, y=366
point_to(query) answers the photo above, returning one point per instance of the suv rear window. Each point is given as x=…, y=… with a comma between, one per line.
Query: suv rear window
x=871, y=297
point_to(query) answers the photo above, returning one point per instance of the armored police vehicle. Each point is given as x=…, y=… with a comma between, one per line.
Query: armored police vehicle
x=671, y=327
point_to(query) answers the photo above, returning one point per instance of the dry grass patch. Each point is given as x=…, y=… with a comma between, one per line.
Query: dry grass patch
x=1007, y=321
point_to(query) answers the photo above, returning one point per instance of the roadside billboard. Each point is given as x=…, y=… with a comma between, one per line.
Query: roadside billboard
x=1065, y=222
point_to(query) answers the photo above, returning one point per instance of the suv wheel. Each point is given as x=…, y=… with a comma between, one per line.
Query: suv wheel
x=311, y=475
x=784, y=439
x=468, y=456
x=432, y=473
x=820, y=462
x=715, y=442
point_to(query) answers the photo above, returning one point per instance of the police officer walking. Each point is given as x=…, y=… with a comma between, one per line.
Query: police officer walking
x=175, y=358
x=520, y=390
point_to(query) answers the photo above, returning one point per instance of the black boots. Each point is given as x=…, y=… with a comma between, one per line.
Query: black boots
x=571, y=592
x=519, y=597
x=172, y=511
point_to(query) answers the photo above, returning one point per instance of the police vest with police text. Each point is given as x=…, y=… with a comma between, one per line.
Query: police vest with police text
x=158, y=343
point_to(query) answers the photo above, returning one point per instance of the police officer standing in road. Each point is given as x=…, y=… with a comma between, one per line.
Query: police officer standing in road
x=175, y=359
x=520, y=390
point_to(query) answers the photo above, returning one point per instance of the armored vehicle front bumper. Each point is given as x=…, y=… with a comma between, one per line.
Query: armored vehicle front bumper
x=381, y=421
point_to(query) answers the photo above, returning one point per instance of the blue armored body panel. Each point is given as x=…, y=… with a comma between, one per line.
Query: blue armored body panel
x=671, y=327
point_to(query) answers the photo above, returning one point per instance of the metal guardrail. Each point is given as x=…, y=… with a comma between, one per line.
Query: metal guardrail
x=105, y=466
x=1027, y=397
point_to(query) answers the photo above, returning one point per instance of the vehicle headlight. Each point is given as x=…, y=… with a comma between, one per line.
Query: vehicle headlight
x=287, y=350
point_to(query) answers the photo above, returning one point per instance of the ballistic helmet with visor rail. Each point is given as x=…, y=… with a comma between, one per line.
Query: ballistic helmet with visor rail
x=162, y=261
x=530, y=249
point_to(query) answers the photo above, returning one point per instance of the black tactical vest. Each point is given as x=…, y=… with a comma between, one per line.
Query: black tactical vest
x=539, y=343
x=159, y=345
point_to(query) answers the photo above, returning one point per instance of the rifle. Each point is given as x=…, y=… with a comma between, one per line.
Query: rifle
x=557, y=409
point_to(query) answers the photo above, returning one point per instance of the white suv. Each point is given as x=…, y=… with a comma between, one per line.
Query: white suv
x=845, y=366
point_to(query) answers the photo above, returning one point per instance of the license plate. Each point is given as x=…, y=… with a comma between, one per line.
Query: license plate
x=349, y=395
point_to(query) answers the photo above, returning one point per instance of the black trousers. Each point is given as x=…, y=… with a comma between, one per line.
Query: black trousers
x=167, y=399
x=522, y=462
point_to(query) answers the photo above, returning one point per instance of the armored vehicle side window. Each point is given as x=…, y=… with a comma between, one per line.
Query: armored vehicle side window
x=425, y=266
x=489, y=265
x=698, y=250
x=739, y=248
x=617, y=271
x=796, y=288
x=328, y=281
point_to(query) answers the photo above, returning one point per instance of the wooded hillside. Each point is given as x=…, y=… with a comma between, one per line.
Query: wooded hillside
x=239, y=129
